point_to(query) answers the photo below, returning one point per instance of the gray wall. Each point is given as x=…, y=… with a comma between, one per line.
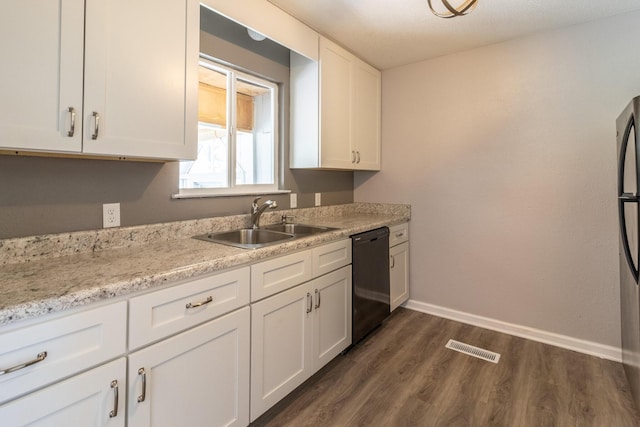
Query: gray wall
x=512, y=177
x=52, y=195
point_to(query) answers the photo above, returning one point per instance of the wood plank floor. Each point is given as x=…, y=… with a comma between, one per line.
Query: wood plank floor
x=402, y=375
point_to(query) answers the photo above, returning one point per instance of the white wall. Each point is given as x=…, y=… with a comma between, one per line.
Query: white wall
x=507, y=155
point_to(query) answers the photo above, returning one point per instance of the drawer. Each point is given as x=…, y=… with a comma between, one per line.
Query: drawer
x=276, y=275
x=72, y=343
x=332, y=256
x=159, y=314
x=398, y=234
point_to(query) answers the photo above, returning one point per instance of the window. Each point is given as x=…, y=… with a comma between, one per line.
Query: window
x=237, y=134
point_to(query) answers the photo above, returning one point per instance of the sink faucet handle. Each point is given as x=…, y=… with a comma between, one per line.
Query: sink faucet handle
x=255, y=201
x=288, y=219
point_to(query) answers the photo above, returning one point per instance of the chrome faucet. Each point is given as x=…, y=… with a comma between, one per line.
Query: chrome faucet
x=256, y=210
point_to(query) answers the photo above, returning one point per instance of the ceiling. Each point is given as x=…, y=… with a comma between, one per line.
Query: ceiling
x=391, y=33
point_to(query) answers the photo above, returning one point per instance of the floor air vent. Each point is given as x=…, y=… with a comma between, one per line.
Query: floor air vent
x=480, y=353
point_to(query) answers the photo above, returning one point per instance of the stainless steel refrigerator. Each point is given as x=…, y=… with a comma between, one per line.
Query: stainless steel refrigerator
x=628, y=212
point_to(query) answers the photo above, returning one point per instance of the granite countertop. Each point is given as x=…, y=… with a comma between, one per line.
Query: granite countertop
x=46, y=274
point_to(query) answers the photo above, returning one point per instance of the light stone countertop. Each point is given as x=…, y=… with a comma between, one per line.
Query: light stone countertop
x=35, y=281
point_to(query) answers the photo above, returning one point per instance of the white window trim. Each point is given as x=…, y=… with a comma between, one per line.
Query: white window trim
x=240, y=190
x=195, y=193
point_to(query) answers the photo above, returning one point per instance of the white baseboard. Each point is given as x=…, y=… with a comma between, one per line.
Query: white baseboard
x=562, y=341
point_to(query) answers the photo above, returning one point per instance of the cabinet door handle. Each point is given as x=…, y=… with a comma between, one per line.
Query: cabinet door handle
x=96, y=125
x=309, y=303
x=114, y=411
x=393, y=261
x=201, y=303
x=317, y=306
x=143, y=396
x=358, y=156
x=353, y=156
x=39, y=358
x=72, y=125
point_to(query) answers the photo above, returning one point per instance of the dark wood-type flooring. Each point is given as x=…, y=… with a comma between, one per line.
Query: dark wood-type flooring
x=402, y=375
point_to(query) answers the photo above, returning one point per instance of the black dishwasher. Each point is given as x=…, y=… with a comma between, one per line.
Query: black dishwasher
x=370, y=259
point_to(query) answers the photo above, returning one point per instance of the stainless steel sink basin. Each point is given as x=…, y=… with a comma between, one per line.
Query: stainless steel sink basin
x=247, y=238
x=297, y=229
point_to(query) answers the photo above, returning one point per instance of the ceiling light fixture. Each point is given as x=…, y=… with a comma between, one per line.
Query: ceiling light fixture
x=452, y=12
x=256, y=35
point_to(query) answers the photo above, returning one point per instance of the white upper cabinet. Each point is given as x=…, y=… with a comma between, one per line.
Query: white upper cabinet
x=365, y=115
x=41, y=75
x=335, y=111
x=140, y=78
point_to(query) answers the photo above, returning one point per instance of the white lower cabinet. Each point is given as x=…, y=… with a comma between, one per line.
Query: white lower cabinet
x=199, y=377
x=332, y=316
x=399, y=264
x=93, y=398
x=295, y=333
x=399, y=270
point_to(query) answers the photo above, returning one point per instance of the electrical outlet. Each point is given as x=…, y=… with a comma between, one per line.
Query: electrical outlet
x=110, y=215
x=293, y=200
x=318, y=199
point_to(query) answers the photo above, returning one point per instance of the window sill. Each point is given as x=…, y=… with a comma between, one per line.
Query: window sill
x=206, y=194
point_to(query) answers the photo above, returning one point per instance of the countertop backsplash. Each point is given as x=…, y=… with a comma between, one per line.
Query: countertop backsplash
x=35, y=248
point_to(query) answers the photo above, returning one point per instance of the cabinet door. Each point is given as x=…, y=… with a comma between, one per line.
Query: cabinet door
x=94, y=398
x=141, y=78
x=399, y=270
x=332, y=315
x=281, y=345
x=42, y=51
x=197, y=378
x=335, y=110
x=366, y=116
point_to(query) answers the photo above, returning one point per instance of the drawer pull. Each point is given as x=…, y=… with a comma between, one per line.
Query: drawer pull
x=114, y=411
x=199, y=304
x=143, y=396
x=400, y=234
x=39, y=358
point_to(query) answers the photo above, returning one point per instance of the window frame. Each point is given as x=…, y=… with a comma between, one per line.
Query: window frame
x=234, y=189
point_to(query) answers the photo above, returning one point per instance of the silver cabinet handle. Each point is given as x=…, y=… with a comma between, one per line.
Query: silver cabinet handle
x=393, y=262
x=358, y=155
x=72, y=126
x=143, y=396
x=96, y=125
x=317, y=306
x=199, y=304
x=114, y=411
x=353, y=156
x=309, y=303
x=400, y=234
x=39, y=358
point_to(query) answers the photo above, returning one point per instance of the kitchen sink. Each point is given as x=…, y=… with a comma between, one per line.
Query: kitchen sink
x=247, y=238
x=297, y=229
x=250, y=238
